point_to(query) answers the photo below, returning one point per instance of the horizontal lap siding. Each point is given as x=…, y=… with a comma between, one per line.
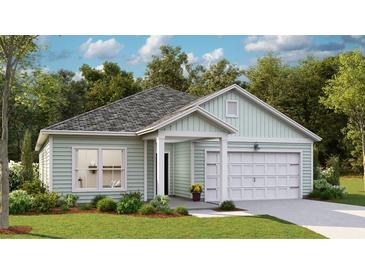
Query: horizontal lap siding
x=150, y=170
x=199, y=151
x=182, y=174
x=44, y=164
x=62, y=163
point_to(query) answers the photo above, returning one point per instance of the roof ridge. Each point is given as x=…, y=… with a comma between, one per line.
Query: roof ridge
x=104, y=106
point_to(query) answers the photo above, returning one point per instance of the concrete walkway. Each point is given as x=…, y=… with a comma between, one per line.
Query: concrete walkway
x=209, y=213
x=189, y=204
x=332, y=220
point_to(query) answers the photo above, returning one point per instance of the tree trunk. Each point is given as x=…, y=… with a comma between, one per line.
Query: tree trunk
x=4, y=161
x=363, y=157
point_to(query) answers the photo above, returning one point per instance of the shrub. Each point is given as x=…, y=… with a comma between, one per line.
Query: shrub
x=182, y=211
x=332, y=172
x=33, y=187
x=227, y=205
x=160, y=202
x=167, y=211
x=65, y=207
x=69, y=200
x=106, y=205
x=96, y=199
x=325, y=191
x=15, y=179
x=86, y=206
x=196, y=188
x=147, y=209
x=130, y=203
x=44, y=202
x=19, y=202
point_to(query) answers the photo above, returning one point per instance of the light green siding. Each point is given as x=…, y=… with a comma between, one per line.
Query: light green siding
x=201, y=147
x=192, y=122
x=44, y=164
x=150, y=170
x=182, y=169
x=253, y=120
x=62, y=163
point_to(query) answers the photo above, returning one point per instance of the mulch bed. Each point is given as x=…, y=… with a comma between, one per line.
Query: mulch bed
x=221, y=210
x=16, y=230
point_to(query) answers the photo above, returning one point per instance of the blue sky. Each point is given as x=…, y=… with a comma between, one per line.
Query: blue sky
x=133, y=52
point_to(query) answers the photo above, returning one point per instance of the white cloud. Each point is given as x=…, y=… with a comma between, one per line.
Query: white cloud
x=296, y=55
x=100, y=67
x=277, y=42
x=192, y=59
x=78, y=76
x=213, y=56
x=107, y=49
x=151, y=47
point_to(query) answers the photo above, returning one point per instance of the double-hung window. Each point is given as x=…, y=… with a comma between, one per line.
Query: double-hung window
x=99, y=169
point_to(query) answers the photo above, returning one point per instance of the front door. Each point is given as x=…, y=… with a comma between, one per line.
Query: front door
x=166, y=176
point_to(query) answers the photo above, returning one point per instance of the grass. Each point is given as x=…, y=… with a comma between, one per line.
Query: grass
x=355, y=188
x=108, y=226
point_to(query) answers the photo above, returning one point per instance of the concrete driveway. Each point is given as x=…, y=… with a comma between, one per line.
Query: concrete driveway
x=337, y=221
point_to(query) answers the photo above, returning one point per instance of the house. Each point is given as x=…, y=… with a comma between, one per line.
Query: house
x=160, y=141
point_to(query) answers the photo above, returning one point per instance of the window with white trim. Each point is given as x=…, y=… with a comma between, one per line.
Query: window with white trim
x=232, y=108
x=99, y=169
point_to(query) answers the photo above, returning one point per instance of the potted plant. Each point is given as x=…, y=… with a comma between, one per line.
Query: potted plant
x=196, y=190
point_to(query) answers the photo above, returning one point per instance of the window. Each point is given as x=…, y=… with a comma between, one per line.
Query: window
x=232, y=108
x=99, y=169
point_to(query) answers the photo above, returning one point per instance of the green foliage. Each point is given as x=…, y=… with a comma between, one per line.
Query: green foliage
x=167, y=211
x=106, y=205
x=182, y=211
x=27, y=157
x=15, y=178
x=227, y=205
x=325, y=191
x=69, y=200
x=130, y=203
x=96, y=199
x=33, y=187
x=147, y=209
x=19, y=202
x=86, y=206
x=167, y=69
x=44, y=202
x=160, y=202
x=332, y=173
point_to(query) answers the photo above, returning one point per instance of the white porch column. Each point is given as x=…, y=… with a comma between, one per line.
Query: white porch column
x=160, y=151
x=224, y=168
x=145, y=170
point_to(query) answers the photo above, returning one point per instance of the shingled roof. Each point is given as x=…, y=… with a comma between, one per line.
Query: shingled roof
x=129, y=114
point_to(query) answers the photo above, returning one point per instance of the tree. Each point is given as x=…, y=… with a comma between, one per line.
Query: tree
x=207, y=80
x=168, y=69
x=27, y=156
x=107, y=85
x=345, y=93
x=13, y=51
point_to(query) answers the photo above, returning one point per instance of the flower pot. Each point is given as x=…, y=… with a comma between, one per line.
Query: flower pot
x=196, y=196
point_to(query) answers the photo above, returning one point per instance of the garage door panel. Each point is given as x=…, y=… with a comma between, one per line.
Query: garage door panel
x=293, y=169
x=213, y=157
x=281, y=169
x=248, y=181
x=259, y=169
x=247, y=157
x=259, y=157
x=235, y=194
x=282, y=181
x=259, y=181
x=270, y=193
x=259, y=194
x=271, y=181
x=235, y=181
x=281, y=157
x=270, y=169
x=212, y=194
x=235, y=169
x=247, y=169
x=248, y=194
x=213, y=169
x=293, y=181
x=235, y=157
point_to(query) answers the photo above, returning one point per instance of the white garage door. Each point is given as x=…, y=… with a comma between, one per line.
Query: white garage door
x=255, y=176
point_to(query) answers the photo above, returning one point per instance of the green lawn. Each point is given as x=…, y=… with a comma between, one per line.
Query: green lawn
x=355, y=188
x=108, y=226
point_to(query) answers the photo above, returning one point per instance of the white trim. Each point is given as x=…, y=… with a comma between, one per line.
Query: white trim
x=173, y=170
x=224, y=169
x=99, y=183
x=50, y=179
x=192, y=163
x=154, y=169
x=206, y=151
x=229, y=128
x=312, y=159
x=160, y=149
x=145, y=170
x=269, y=140
x=237, y=109
x=192, y=134
x=261, y=103
x=45, y=132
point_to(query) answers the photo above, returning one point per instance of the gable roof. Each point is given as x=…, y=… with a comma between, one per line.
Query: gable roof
x=129, y=114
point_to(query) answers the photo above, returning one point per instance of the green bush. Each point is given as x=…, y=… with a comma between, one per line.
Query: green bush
x=69, y=200
x=33, y=187
x=19, y=202
x=44, y=202
x=227, y=205
x=86, y=206
x=96, y=199
x=332, y=172
x=15, y=179
x=65, y=207
x=106, y=205
x=130, y=203
x=147, y=209
x=326, y=191
x=167, y=211
x=160, y=203
x=182, y=211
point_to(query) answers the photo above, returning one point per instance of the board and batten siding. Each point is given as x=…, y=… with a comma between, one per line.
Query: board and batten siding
x=182, y=174
x=306, y=163
x=252, y=120
x=62, y=163
x=44, y=164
